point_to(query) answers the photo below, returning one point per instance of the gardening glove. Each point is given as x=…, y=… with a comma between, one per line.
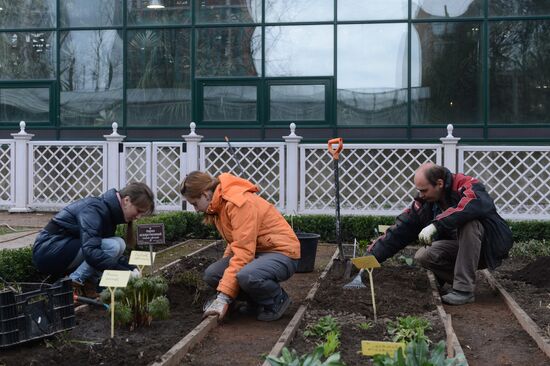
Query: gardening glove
x=219, y=306
x=426, y=235
x=135, y=273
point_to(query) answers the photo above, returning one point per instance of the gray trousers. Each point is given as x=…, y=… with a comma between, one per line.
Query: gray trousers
x=259, y=279
x=455, y=261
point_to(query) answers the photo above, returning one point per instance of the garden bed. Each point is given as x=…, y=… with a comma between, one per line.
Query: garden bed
x=89, y=343
x=401, y=290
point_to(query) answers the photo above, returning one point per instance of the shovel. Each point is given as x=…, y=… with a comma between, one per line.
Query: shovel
x=335, y=156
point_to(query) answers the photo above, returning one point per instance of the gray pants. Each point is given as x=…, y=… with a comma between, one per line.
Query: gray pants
x=455, y=261
x=259, y=279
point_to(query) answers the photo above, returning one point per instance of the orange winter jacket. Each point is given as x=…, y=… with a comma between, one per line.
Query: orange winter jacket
x=249, y=224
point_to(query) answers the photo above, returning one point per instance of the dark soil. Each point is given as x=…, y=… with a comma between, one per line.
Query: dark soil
x=89, y=343
x=400, y=290
x=528, y=282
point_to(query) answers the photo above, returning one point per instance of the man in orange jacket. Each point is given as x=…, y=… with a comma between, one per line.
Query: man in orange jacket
x=262, y=249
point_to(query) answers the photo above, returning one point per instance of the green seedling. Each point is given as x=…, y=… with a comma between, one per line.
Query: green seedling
x=191, y=279
x=408, y=329
x=291, y=358
x=407, y=260
x=365, y=325
x=418, y=353
x=141, y=301
x=325, y=325
x=331, y=344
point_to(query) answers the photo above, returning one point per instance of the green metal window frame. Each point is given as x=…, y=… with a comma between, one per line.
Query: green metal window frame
x=34, y=84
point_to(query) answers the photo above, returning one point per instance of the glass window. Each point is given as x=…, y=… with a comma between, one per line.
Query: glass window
x=24, y=104
x=422, y=9
x=446, y=73
x=86, y=13
x=232, y=51
x=519, y=75
x=171, y=12
x=518, y=7
x=279, y=11
x=372, y=74
x=303, y=50
x=297, y=103
x=373, y=9
x=158, y=77
x=27, y=55
x=27, y=14
x=228, y=11
x=229, y=103
x=91, y=78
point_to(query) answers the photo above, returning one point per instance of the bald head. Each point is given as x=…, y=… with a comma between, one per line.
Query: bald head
x=429, y=181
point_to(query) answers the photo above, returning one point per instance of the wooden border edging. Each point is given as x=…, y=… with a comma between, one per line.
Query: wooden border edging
x=180, y=349
x=187, y=255
x=294, y=323
x=453, y=345
x=526, y=322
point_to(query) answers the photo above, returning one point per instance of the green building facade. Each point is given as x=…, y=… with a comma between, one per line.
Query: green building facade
x=364, y=70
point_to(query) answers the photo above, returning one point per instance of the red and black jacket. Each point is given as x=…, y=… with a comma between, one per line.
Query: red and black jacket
x=468, y=200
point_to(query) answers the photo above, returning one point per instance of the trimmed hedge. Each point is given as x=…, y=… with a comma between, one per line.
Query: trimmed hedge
x=16, y=265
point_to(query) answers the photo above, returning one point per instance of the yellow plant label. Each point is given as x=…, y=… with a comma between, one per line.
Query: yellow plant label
x=113, y=278
x=368, y=261
x=141, y=258
x=382, y=228
x=371, y=348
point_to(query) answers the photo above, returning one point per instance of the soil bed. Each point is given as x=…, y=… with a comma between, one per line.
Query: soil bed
x=89, y=343
x=400, y=290
x=528, y=282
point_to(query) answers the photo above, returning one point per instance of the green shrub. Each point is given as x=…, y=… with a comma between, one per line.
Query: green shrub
x=530, y=249
x=523, y=231
x=418, y=353
x=16, y=265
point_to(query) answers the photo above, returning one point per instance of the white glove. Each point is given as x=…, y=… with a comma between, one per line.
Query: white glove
x=426, y=235
x=219, y=306
x=135, y=273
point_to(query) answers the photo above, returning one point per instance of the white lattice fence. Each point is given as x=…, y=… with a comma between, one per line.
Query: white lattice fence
x=262, y=163
x=374, y=179
x=518, y=178
x=63, y=172
x=6, y=168
x=167, y=173
x=135, y=163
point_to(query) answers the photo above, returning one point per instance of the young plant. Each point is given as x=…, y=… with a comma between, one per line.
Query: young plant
x=409, y=328
x=418, y=353
x=325, y=325
x=365, y=325
x=291, y=358
x=191, y=279
x=331, y=344
x=141, y=301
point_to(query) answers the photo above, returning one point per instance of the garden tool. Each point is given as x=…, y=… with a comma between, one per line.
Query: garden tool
x=87, y=300
x=357, y=282
x=335, y=155
x=234, y=155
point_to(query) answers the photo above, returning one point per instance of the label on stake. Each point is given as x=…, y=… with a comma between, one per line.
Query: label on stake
x=112, y=278
x=368, y=261
x=141, y=258
x=371, y=348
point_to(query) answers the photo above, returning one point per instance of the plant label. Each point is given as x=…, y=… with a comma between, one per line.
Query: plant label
x=150, y=234
x=112, y=278
x=371, y=348
x=141, y=258
x=368, y=261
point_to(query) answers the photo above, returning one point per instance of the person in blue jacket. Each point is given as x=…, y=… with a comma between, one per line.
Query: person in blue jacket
x=80, y=239
x=456, y=220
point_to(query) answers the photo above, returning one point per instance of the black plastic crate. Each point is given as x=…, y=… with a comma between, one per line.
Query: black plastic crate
x=40, y=311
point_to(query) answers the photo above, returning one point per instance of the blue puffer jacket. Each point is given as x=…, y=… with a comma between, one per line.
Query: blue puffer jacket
x=90, y=219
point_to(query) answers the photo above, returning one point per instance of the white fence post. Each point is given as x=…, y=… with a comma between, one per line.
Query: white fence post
x=192, y=152
x=292, y=173
x=449, y=149
x=113, y=158
x=22, y=185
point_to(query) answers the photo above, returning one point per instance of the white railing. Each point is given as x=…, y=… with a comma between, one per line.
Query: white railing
x=297, y=178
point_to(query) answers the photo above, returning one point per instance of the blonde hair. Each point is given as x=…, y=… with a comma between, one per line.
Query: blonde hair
x=143, y=198
x=195, y=184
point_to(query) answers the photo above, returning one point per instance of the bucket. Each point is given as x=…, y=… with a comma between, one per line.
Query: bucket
x=308, y=251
